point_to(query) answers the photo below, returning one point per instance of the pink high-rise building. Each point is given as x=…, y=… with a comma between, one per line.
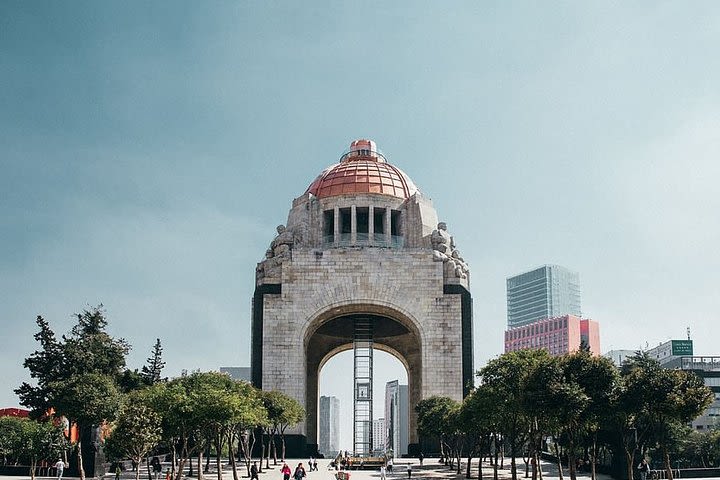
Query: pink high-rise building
x=558, y=335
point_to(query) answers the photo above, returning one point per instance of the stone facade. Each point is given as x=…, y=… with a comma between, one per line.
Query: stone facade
x=361, y=254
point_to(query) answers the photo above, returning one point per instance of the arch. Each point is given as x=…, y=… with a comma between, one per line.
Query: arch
x=363, y=307
x=405, y=344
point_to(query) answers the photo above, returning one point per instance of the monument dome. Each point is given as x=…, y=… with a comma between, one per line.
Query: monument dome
x=362, y=170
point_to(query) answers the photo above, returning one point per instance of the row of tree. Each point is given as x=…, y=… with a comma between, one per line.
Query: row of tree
x=83, y=377
x=575, y=405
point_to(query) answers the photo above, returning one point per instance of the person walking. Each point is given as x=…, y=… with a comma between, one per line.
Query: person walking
x=156, y=467
x=644, y=468
x=254, y=471
x=382, y=472
x=60, y=467
x=299, y=472
x=421, y=457
x=409, y=470
x=286, y=471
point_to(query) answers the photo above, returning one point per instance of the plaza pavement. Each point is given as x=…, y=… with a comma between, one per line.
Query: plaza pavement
x=431, y=469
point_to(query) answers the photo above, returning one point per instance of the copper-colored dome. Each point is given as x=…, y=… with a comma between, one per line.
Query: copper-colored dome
x=362, y=170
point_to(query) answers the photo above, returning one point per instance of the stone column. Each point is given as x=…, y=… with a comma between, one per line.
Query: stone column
x=388, y=233
x=371, y=225
x=353, y=225
x=336, y=232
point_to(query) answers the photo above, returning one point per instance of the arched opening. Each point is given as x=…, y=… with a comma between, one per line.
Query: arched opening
x=335, y=380
x=331, y=333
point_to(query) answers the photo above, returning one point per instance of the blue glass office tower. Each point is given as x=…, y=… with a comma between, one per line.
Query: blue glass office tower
x=548, y=291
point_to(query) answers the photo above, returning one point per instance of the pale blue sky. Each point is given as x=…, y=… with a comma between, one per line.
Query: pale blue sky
x=148, y=150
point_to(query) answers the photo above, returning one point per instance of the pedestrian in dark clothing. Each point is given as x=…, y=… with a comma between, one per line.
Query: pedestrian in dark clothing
x=299, y=472
x=254, y=471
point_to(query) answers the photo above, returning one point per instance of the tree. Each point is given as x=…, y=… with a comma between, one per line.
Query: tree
x=433, y=415
x=201, y=407
x=10, y=435
x=46, y=366
x=505, y=376
x=152, y=370
x=283, y=411
x=135, y=433
x=40, y=440
x=86, y=399
x=595, y=379
x=59, y=367
x=478, y=422
x=652, y=401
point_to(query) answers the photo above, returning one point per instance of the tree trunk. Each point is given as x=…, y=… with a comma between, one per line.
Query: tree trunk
x=137, y=470
x=218, y=460
x=468, y=467
x=173, y=458
x=539, y=465
x=629, y=459
x=147, y=462
x=559, y=460
x=571, y=458
x=199, y=465
x=497, y=452
x=282, y=442
x=480, y=472
x=513, y=463
x=231, y=454
x=33, y=465
x=668, y=467
x=593, y=457
x=81, y=469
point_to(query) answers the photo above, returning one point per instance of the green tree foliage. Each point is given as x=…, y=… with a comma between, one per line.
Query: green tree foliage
x=86, y=399
x=28, y=441
x=505, y=377
x=136, y=431
x=589, y=383
x=434, y=420
x=152, y=370
x=202, y=407
x=283, y=411
x=72, y=374
x=10, y=434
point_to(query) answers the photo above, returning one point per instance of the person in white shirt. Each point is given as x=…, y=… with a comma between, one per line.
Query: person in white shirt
x=60, y=466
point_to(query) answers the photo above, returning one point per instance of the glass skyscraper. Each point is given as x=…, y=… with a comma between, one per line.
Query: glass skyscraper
x=329, y=426
x=548, y=291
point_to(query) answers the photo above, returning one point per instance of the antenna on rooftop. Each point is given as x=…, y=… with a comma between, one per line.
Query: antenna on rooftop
x=688, y=332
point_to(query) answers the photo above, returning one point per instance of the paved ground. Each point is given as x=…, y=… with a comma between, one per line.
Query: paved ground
x=431, y=469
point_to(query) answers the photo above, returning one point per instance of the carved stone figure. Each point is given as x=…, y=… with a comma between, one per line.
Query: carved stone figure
x=441, y=243
x=283, y=243
x=443, y=246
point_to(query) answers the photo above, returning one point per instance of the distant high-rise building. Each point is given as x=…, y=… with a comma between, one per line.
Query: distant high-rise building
x=557, y=335
x=237, y=373
x=379, y=434
x=548, y=291
x=329, y=426
x=396, y=417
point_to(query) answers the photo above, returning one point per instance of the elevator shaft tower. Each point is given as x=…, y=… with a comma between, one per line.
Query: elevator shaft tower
x=363, y=384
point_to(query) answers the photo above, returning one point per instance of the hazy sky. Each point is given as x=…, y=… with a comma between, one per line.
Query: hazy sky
x=148, y=150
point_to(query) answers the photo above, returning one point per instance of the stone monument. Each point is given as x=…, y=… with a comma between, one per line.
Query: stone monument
x=362, y=242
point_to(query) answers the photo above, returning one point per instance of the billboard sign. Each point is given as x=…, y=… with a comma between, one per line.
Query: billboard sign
x=682, y=347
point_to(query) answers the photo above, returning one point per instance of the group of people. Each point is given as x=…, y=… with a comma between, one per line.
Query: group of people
x=299, y=472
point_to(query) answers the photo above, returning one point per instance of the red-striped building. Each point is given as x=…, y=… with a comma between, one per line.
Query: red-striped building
x=558, y=335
